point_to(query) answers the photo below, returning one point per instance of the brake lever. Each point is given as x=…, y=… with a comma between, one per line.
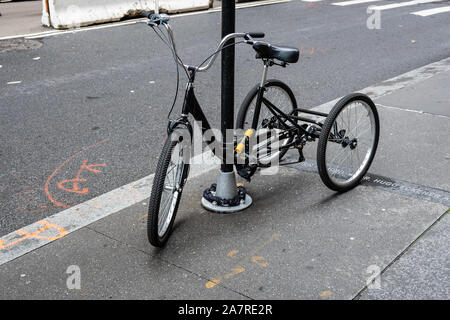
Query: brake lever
x=248, y=39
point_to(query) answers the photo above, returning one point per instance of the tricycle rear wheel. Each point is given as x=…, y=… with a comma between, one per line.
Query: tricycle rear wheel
x=348, y=142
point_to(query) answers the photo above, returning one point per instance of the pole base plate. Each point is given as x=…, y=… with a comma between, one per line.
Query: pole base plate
x=214, y=207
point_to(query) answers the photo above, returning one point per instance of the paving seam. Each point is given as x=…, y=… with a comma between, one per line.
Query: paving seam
x=414, y=111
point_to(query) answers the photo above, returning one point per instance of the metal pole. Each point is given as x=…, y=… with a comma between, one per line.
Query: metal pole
x=226, y=182
x=227, y=102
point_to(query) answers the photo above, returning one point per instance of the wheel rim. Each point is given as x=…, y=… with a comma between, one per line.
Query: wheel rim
x=171, y=190
x=350, y=143
x=281, y=99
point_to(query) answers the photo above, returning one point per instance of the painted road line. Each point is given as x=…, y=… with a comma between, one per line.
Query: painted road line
x=256, y=4
x=137, y=20
x=31, y=35
x=38, y=234
x=400, y=187
x=430, y=12
x=350, y=3
x=403, y=4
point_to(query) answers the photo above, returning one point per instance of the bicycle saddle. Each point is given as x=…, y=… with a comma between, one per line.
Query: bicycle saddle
x=267, y=51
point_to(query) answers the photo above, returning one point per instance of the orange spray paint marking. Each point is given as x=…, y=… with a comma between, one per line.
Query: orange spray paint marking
x=49, y=179
x=36, y=235
x=234, y=271
x=232, y=253
x=237, y=269
x=27, y=197
x=75, y=188
x=259, y=260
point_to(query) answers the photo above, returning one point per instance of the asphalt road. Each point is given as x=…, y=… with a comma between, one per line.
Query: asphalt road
x=89, y=114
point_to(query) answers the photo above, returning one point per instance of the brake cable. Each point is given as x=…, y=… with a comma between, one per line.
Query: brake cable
x=175, y=56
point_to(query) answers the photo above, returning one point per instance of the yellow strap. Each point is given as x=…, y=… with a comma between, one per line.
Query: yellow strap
x=249, y=133
x=240, y=147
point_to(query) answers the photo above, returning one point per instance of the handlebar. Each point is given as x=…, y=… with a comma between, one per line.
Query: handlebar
x=256, y=34
x=146, y=14
x=155, y=19
x=158, y=19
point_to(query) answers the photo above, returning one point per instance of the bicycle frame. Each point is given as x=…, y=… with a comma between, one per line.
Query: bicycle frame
x=288, y=121
x=192, y=106
x=283, y=118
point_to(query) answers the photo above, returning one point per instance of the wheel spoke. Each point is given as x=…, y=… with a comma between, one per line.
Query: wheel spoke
x=350, y=143
x=170, y=191
x=268, y=149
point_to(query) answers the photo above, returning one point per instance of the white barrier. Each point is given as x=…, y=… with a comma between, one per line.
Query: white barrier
x=64, y=14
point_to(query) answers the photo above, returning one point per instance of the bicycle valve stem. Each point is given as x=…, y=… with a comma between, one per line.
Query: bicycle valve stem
x=241, y=146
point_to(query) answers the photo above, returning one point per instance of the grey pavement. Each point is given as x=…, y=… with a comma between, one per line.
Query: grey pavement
x=422, y=273
x=103, y=95
x=21, y=18
x=298, y=240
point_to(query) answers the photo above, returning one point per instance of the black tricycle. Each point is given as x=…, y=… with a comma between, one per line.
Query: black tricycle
x=347, y=135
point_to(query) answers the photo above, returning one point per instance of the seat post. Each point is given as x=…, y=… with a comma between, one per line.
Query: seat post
x=264, y=76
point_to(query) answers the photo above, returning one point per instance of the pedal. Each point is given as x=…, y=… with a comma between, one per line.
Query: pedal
x=246, y=172
x=243, y=172
x=301, y=157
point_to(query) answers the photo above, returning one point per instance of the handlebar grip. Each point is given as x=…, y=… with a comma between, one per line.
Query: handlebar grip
x=164, y=18
x=256, y=34
x=156, y=19
x=146, y=14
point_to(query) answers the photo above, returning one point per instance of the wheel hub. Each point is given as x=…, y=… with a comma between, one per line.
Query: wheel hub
x=347, y=142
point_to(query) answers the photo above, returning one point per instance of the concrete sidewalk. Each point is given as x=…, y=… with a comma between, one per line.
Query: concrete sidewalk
x=20, y=18
x=299, y=240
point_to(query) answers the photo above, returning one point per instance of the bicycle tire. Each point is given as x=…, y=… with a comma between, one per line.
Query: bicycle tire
x=251, y=96
x=154, y=211
x=325, y=141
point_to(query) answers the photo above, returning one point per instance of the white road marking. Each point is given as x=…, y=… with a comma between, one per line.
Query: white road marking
x=403, y=4
x=349, y=3
x=15, y=244
x=311, y=0
x=116, y=200
x=257, y=4
x=14, y=82
x=429, y=12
